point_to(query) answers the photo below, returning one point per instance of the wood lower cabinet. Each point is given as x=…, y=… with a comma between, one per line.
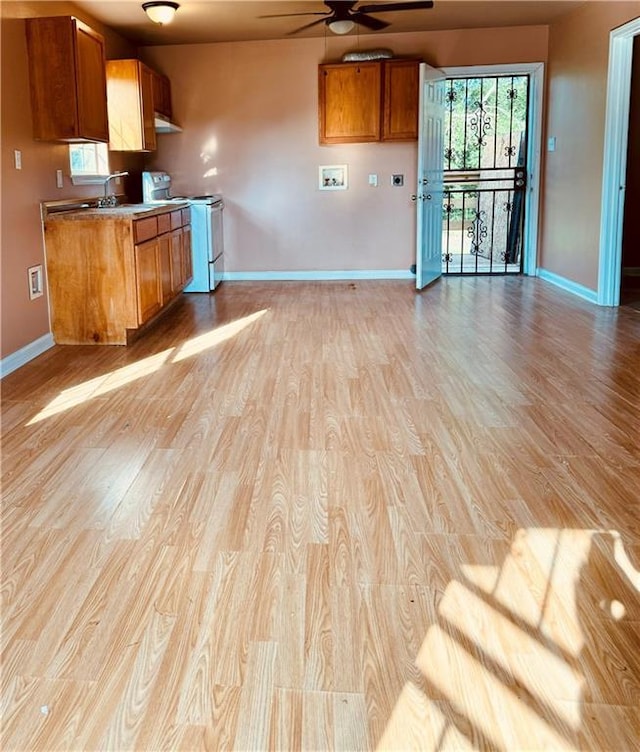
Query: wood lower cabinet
x=177, y=266
x=148, y=280
x=67, y=80
x=164, y=259
x=110, y=274
x=368, y=101
x=130, y=103
x=187, y=256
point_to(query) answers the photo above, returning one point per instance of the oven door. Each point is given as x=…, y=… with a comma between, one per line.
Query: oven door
x=216, y=258
x=216, y=270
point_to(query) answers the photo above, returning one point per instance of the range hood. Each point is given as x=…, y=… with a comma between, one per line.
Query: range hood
x=163, y=125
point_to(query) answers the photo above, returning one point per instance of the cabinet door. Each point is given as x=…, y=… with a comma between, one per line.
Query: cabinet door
x=161, y=94
x=91, y=84
x=130, y=102
x=164, y=260
x=67, y=80
x=148, y=119
x=349, y=102
x=177, y=264
x=400, y=114
x=187, y=259
x=148, y=288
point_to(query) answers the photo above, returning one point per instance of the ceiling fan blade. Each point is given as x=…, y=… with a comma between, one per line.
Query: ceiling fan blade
x=288, y=15
x=341, y=7
x=375, y=24
x=309, y=25
x=387, y=7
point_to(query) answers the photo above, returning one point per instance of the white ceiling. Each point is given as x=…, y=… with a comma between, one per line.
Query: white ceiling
x=237, y=20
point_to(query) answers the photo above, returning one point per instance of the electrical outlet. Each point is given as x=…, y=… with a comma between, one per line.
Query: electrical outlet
x=397, y=180
x=59, y=179
x=17, y=157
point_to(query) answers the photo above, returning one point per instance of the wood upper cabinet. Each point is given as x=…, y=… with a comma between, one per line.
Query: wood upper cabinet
x=368, y=101
x=401, y=81
x=67, y=80
x=162, y=94
x=130, y=104
x=349, y=102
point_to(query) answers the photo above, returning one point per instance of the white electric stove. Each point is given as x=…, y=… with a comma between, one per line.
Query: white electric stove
x=207, y=239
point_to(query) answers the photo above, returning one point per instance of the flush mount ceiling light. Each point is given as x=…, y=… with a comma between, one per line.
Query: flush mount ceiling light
x=341, y=27
x=160, y=12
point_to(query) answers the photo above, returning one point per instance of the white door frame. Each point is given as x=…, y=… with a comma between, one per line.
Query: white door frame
x=535, y=71
x=614, y=170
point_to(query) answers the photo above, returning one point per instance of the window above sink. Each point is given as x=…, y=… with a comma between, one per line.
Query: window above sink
x=89, y=163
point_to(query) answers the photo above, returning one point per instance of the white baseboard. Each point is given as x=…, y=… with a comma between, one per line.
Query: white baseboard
x=568, y=285
x=22, y=356
x=317, y=276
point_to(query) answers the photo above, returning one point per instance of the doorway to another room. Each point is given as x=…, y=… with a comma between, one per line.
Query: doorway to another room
x=630, y=278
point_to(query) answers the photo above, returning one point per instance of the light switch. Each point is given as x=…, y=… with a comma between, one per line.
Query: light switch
x=17, y=154
x=551, y=143
x=59, y=179
x=373, y=180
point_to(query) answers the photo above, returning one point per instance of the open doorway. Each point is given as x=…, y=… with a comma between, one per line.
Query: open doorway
x=630, y=278
x=616, y=143
x=485, y=174
x=492, y=169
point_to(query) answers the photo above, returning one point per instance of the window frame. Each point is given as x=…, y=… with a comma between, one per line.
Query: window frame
x=100, y=162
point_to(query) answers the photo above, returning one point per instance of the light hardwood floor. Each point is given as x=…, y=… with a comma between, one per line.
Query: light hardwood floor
x=329, y=516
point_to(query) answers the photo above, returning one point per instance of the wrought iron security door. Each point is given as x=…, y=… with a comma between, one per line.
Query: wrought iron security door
x=485, y=174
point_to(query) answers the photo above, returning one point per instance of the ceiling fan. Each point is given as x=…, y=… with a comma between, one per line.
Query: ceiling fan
x=342, y=16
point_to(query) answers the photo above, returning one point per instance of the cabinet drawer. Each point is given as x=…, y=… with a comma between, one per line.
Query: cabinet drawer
x=186, y=216
x=145, y=229
x=176, y=219
x=164, y=223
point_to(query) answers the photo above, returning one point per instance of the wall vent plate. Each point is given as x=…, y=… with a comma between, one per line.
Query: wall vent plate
x=397, y=180
x=36, y=289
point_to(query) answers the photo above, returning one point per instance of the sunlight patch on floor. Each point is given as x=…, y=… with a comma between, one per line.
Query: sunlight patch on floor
x=502, y=651
x=101, y=385
x=210, y=339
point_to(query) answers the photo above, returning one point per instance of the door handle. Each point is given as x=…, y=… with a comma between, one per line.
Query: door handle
x=427, y=197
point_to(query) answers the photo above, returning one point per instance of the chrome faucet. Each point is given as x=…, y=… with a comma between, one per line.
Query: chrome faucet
x=110, y=199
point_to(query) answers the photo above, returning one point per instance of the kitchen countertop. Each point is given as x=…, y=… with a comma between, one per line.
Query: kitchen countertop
x=124, y=211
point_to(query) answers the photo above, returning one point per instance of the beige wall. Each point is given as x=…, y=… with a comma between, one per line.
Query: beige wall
x=249, y=112
x=572, y=188
x=250, y=117
x=23, y=320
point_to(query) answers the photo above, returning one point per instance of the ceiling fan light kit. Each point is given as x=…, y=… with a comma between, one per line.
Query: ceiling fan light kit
x=160, y=11
x=341, y=27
